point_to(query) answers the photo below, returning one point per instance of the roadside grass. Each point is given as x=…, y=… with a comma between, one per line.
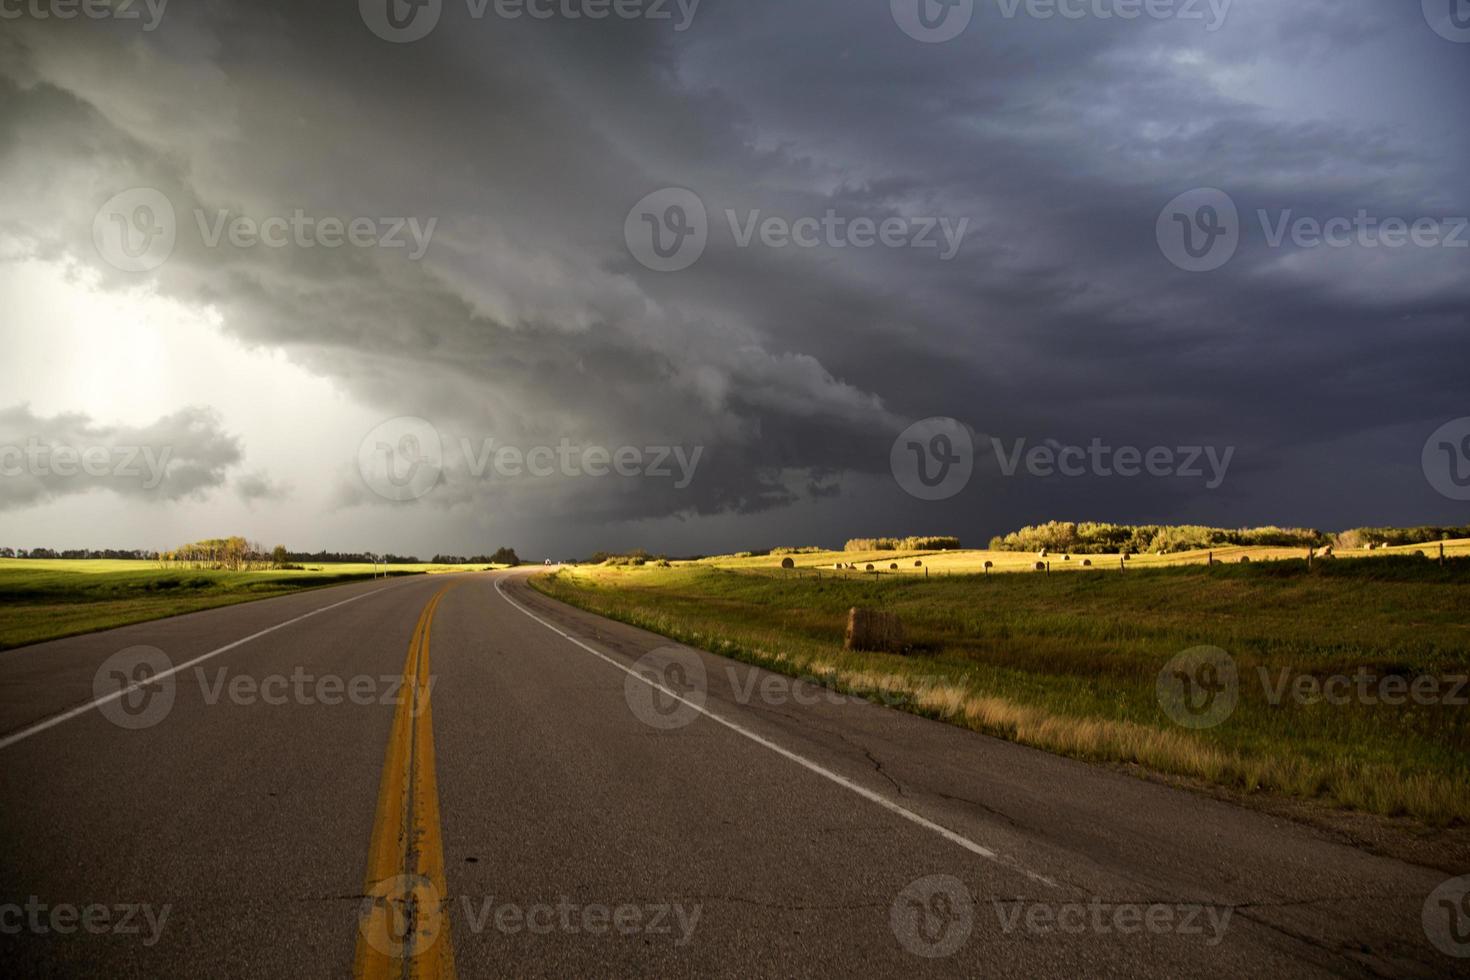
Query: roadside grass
x=47, y=599
x=1069, y=663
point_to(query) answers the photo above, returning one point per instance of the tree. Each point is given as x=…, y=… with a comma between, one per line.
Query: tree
x=279, y=557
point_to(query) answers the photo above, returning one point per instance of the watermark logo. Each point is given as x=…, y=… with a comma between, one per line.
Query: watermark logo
x=1446, y=459
x=667, y=688
x=1450, y=19
x=40, y=918
x=1199, y=230
x=400, y=21
x=1051, y=458
x=402, y=917
x=305, y=688
x=1100, y=918
x=933, y=459
x=932, y=21
x=152, y=10
x=675, y=463
x=1366, y=687
x=135, y=230
x=147, y=466
x=674, y=919
x=1446, y=917
x=933, y=916
x=1199, y=688
x=1211, y=13
x=404, y=21
x=667, y=231
x=135, y=688
x=303, y=230
x=402, y=459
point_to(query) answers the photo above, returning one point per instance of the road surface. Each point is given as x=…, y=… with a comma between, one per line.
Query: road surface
x=456, y=776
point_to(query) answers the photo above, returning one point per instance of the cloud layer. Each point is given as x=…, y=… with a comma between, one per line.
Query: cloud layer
x=529, y=321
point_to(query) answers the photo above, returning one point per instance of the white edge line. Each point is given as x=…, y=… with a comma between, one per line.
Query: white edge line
x=82, y=709
x=800, y=760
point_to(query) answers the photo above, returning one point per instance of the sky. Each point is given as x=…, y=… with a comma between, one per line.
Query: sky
x=570, y=275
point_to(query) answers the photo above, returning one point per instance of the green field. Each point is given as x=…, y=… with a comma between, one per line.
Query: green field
x=45, y=599
x=1070, y=662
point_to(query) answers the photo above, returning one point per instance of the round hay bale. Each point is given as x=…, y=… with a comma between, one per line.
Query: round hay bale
x=918, y=564
x=1087, y=563
x=1041, y=553
x=1245, y=559
x=870, y=566
x=893, y=567
x=1127, y=556
x=788, y=563
x=1066, y=558
x=989, y=565
x=1041, y=566
x=869, y=629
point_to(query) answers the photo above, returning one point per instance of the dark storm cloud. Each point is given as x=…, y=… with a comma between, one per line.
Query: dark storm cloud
x=528, y=321
x=185, y=454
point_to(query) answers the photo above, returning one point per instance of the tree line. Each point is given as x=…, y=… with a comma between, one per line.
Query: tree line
x=1087, y=537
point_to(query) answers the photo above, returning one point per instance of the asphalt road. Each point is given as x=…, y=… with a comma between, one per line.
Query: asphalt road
x=491, y=784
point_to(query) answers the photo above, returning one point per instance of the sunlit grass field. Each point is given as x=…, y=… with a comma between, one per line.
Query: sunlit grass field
x=970, y=560
x=1070, y=662
x=45, y=599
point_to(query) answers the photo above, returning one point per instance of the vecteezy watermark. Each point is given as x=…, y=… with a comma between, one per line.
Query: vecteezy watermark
x=933, y=916
x=40, y=918
x=677, y=920
x=403, y=459
x=403, y=21
x=670, y=685
x=1200, y=230
x=136, y=230
x=147, y=465
x=305, y=688
x=1446, y=917
x=1446, y=459
x=570, y=459
x=1052, y=458
x=937, y=21
x=303, y=230
x=1450, y=19
x=150, y=12
x=1366, y=687
x=669, y=229
x=667, y=687
x=136, y=688
x=1200, y=688
x=1100, y=918
x=933, y=459
x=403, y=916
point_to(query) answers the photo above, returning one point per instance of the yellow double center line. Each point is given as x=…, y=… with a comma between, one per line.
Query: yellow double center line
x=403, y=924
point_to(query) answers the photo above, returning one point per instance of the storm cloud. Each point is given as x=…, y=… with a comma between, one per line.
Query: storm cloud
x=446, y=228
